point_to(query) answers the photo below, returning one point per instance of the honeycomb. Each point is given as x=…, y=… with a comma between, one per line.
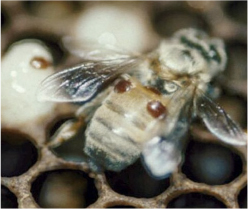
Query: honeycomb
x=35, y=174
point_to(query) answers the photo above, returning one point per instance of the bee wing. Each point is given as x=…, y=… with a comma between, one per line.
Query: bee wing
x=162, y=153
x=218, y=121
x=80, y=83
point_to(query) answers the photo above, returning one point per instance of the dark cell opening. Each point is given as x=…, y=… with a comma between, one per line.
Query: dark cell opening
x=5, y=20
x=242, y=198
x=8, y=199
x=237, y=10
x=56, y=124
x=64, y=189
x=134, y=181
x=210, y=163
x=18, y=153
x=169, y=21
x=195, y=200
x=237, y=61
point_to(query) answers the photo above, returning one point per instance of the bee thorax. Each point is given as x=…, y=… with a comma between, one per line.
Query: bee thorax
x=191, y=52
x=179, y=59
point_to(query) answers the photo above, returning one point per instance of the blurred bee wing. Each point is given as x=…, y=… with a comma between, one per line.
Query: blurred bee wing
x=218, y=121
x=80, y=83
x=95, y=51
x=180, y=108
x=162, y=154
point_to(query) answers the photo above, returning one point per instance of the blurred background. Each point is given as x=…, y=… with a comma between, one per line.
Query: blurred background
x=212, y=175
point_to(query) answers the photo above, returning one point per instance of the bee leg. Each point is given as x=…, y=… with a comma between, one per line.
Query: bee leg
x=67, y=130
x=71, y=127
x=86, y=111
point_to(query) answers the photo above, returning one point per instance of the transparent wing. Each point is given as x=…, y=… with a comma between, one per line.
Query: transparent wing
x=180, y=108
x=162, y=153
x=80, y=83
x=218, y=121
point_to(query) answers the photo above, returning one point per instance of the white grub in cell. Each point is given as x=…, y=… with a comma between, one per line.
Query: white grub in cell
x=20, y=81
x=123, y=25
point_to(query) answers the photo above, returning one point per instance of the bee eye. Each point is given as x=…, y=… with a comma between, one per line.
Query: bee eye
x=166, y=87
x=170, y=87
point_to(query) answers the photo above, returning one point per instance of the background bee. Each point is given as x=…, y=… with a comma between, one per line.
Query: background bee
x=142, y=105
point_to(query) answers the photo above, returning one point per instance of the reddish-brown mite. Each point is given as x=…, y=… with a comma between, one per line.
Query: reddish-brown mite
x=123, y=86
x=40, y=63
x=156, y=109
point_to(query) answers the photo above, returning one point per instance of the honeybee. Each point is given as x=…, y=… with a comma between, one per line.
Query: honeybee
x=142, y=105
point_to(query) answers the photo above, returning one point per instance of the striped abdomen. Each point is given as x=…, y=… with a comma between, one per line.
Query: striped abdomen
x=117, y=128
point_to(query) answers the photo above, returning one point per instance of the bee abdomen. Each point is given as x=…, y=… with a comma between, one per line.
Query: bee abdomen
x=109, y=155
x=108, y=142
x=116, y=132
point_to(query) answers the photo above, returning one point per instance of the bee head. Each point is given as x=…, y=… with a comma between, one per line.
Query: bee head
x=193, y=51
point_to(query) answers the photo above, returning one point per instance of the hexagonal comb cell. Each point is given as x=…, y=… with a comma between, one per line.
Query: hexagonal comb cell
x=64, y=189
x=18, y=153
x=195, y=200
x=35, y=174
x=130, y=182
x=211, y=164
